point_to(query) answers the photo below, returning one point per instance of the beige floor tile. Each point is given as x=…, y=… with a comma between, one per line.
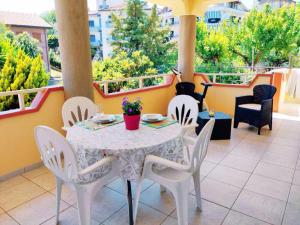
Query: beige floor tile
x=163, y=202
x=218, y=192
x=207, y=167
x=211, y=213
x=284, y=150
x=37, y=210
x=13, y=196
x=229, y=175
x=291, y=142
x=7, y=220
x=215, y=156
x=297, y=177
x=36, y=172
x=236, y=218
x=298, y=165
x=275, y=172
x=68, y=217
x=145, y=216
x=1, y=211
x=260, y=206
x=68, y=195
x=170, y=221
x=292, y=215
x=239, y=162
x=250, y=151
x=118, y=185
x=106, y=203
x=12, y=182
x=269, y=187
x=294, y=196
x=46, y=181
x=280, y=159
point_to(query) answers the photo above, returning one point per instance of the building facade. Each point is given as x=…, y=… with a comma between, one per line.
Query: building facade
x=32, y=24
x=101, y=36
x=275, y=4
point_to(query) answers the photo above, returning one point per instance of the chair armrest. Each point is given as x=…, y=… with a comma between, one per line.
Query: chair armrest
x=266, y=105
x=97, y=164
x=152, y=159
x=244, y=99
x=207, y=84
x=188, y=140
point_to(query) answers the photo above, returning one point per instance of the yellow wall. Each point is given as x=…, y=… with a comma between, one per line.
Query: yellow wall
x=18, y=149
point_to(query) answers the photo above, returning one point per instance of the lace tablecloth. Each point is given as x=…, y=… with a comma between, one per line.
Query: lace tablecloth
x=131, y=147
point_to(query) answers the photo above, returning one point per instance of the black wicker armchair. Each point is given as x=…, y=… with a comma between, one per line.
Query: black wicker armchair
x=256, y=109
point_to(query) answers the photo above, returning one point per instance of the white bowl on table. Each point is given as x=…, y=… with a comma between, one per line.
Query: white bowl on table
x=152, y=118
x=102, y=118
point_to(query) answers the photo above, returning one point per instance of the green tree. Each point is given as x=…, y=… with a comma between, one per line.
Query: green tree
x=121, y=66
x=139, y=32
x=53, y=41
x=50, y=17
x=28, y=44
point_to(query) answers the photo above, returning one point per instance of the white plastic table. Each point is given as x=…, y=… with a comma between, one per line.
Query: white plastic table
x=130, y=147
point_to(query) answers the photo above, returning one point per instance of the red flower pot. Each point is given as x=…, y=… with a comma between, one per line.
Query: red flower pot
x=132, y=122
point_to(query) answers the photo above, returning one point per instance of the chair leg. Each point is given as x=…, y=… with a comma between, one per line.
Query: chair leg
x=235, y=124
x=270, y=126
x=138, y=191
x=84, y=203
x=259, y=129
x=58, y=197
x=181, y=199
x=196, y=178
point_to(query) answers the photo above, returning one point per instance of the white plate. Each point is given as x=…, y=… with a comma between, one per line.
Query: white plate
x=104, y=118
x=152, y=118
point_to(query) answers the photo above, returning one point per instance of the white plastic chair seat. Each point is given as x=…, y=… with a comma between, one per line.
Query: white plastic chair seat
x=253, y=106
x=172, y=174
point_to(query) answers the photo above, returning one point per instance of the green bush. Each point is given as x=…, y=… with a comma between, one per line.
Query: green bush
x=21, y=67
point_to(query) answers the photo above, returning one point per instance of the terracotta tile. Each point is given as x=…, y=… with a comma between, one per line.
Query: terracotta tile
x=36, y=172
x=275, y=172
x=260, y=206
x=7, y=220
x=67, y=194
x=239, y=162
x=294, y=196
x=280, y=159
x=46, y=181
x=230, y=176
x=297, y=177
x=37, y=210
x=13, y=196
x=292, y=215
x=211, y=213
x=163, y=202
x=269, y=187
x=218, y=192
x=236, y=218
x=68, y=217
x=106, y=203
x=145, y=216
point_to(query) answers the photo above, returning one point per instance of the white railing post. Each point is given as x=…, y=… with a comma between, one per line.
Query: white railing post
x=105, y=86
x=245, y=79
x=214, y=78
x=21, y=101
x=141, y=82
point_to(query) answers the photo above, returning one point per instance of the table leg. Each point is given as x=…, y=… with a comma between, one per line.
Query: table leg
x=129, y=196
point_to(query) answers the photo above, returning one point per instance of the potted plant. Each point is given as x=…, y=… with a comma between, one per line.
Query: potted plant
x=132, y=113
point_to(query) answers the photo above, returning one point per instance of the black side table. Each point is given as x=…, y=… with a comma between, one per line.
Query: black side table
x=222, y=128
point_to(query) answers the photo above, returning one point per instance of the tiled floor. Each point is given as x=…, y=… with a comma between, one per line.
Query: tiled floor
x=249, y=180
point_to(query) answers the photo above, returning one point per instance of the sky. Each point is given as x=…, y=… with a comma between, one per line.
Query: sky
x=40, y=6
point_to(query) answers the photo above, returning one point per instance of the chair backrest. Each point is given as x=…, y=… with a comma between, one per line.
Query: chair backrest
x=56, y=153
x=201, y=146
x=185, y=88
x=263, y=92
x=184, y=109
x=77, y=109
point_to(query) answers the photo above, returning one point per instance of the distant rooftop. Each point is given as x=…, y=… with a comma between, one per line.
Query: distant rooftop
x=22, y=19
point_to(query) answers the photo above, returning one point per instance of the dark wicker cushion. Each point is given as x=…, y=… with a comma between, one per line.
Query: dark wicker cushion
x=263, y=92
x=185, y=88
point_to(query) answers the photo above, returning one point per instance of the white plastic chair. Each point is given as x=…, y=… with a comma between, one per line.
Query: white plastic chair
x=185, y=110
x=59, y=157
x=77, y=109
x=176, y=177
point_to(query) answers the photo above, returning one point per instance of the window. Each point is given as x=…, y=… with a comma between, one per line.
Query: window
x=92, y=38
x=172, y=21
x=91, y=23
